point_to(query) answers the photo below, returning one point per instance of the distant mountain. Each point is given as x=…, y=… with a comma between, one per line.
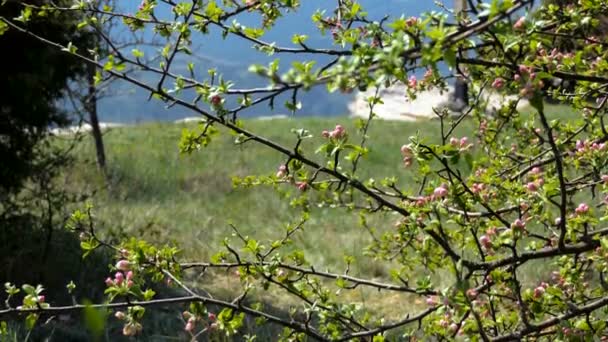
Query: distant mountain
x=233, y=56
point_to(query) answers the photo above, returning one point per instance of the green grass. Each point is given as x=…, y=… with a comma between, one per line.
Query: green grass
x=166, y=196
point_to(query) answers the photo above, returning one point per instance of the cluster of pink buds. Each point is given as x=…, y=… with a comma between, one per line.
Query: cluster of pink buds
x=406, y=152
x=583, y=146
x=462, y=143
x=192, y=319
x=121, y=278
x=478, y=187
x=282, y=171
x=338, y=133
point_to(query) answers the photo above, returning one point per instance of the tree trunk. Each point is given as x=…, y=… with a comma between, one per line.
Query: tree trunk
x=91, y=108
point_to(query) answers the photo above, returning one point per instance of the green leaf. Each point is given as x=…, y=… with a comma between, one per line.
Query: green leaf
x=95, y=319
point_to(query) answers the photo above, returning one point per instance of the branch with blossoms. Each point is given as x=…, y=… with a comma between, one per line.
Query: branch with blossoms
x=484, y=211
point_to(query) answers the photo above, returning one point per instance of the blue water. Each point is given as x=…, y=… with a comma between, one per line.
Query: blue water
x=233, y=56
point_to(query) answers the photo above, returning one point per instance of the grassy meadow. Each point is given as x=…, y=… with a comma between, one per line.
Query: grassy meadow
x=160, y=195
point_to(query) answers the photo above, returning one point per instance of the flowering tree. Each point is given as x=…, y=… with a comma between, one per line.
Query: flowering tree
x=526, y=193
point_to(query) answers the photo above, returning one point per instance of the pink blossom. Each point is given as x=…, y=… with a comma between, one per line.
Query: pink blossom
x=516, y=77
x=123, y=265
x=477, y=188
x=211, y=316
x=582, y=209
x=412, y=82
x=130, y=283
x=454, y=141
x=41, y=298
x=129, y=275
x=325, y=133
x=536, y=170
x=498, y=83
x=520, y=23
x=523, y=69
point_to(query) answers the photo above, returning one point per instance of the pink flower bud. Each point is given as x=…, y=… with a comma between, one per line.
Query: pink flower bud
x=215, y=100
x=325, y=133
x=211, y=316
x=516, y=77
x=109, y=281
x=412, y=82
x=536, y=170
x=406, y=151
x=523, y=69
x=129, y=275
x=518, y=224
x=531, y=186
x=302, y=186
x=282, y=171
x=440, y=192
x=432, y=301
x=129, y=329
x=123, y=265
x=41, y=298
x=411, y=21
x=539, y=292
x=454, y=141
x=520, y=23
x=472, y=293
x=130, y=283
x=189, y=326
x=485, y=241
x=407, y=161
x=119, y=277
x=120, y=315
x=463, y=142
x=498, y=83
x=582, y=209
